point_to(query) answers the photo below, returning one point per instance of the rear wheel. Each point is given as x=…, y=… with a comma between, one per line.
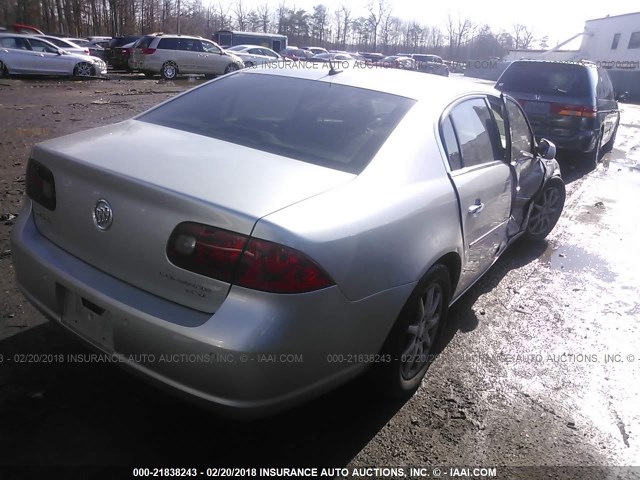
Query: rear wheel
x=249, y=64
x=169, y=70
x=593, y=157
x=608, y=147
x=3, y=70
x=84, y=69
x=232, y=67
x=411, y=343
x=546, y=210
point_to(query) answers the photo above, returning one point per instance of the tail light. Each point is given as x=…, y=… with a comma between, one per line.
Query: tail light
x=41, y=186
x=244, y=261
x=87, y=52
x=573, y=110
x=148, y=51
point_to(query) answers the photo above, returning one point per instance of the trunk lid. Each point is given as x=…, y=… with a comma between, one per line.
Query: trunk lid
x=154, y=178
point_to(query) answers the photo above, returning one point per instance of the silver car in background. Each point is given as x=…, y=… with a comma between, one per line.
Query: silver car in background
x=252, y=55
x=27, y=55
x=269, y=235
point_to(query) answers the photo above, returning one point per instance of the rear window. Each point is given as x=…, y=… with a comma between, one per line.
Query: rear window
x=144, y=42
x=548, y=78
x=316, y=122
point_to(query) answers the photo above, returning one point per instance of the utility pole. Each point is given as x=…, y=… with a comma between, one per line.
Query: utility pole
x=178, y=17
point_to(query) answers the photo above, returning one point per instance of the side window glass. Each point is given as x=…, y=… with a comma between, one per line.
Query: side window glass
x=168, y=44
x=210, y=47
x=451, y=144
x=521, y=138
x=472, y=123
x=500, y=137
x=38, y=46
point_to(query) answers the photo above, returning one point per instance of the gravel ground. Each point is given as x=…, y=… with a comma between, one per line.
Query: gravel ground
x=539, y=365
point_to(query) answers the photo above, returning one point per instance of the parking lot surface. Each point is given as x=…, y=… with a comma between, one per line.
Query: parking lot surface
x=539, y=366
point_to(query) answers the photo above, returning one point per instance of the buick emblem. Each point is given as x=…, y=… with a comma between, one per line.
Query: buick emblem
x=103, y=215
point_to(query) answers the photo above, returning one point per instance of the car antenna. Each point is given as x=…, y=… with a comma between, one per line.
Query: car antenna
x=332, y=70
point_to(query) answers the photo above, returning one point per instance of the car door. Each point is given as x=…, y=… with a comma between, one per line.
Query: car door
x=483, y=183
x=190, y=56
x=45, y=59
x=216, y=61
x=517, y=140
x=607, y=106
x=16, y=54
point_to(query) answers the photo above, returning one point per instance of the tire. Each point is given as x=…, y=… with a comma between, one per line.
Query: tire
x=608, y=147
x=414, y=336
x=169, y=70
x=4, y=71
x=248, y=64
x=84, y=69
x=546, y=211
x=232, y=67
x=593, y=157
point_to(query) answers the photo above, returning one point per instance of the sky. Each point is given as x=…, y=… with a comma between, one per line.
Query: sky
x=558, y=19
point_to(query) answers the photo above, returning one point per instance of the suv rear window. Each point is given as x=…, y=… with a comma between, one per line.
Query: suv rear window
x=144, y=42
x=326, y=124
x=548, y=78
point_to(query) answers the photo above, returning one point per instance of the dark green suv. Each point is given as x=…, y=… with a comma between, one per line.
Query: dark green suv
x=573, y=104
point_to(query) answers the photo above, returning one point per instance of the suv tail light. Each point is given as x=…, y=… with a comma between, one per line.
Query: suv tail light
x=148, y=51
x=244, y=261
x=41, y=186
x=573, y=110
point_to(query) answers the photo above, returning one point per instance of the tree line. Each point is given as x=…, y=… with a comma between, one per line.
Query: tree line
x=377, y=30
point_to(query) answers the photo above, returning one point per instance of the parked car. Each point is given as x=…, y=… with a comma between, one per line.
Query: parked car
x=291, y=229
x=430, y=64
x=118, y=51
x=26, y=54
x=571, y=103
x=316, y=50
x=172, y=55
x=66, y=44
x=343, y=58
x=295, y=53
x=396, y=61
x=95, y=49
x=252, y=55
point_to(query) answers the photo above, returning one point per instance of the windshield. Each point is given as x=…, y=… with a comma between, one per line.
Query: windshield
x=316, y=122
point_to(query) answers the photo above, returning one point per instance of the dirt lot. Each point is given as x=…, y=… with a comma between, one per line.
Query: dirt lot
x=540, y=365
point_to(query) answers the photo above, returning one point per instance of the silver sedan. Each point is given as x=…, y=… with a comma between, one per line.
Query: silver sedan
x=269, y=235
x=27, y=54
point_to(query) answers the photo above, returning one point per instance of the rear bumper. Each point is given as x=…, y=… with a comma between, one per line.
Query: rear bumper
x=258, y=354
x=583, y=141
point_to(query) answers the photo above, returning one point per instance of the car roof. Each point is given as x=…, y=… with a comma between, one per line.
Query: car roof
x=580, y=63
x=415, y=85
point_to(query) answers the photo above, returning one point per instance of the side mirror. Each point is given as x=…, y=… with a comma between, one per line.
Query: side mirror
x=621, y=97
x=59, y=52
x=546, y=149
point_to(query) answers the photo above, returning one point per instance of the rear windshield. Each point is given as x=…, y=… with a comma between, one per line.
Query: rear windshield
x=548, y=78
x=316, y=122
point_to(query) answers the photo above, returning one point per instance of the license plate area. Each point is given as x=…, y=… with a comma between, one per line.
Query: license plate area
x=536, y=107
x=87, y=318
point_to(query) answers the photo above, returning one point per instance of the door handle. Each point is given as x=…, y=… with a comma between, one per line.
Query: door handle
x=476, y=208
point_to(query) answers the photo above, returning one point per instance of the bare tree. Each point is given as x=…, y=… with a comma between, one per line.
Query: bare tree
x=264, y=16
x=523, y=37
x=378, y=10
x=346, y=23
x=241, y=15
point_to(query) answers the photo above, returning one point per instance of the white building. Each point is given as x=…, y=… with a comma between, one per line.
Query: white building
x=613, y=42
